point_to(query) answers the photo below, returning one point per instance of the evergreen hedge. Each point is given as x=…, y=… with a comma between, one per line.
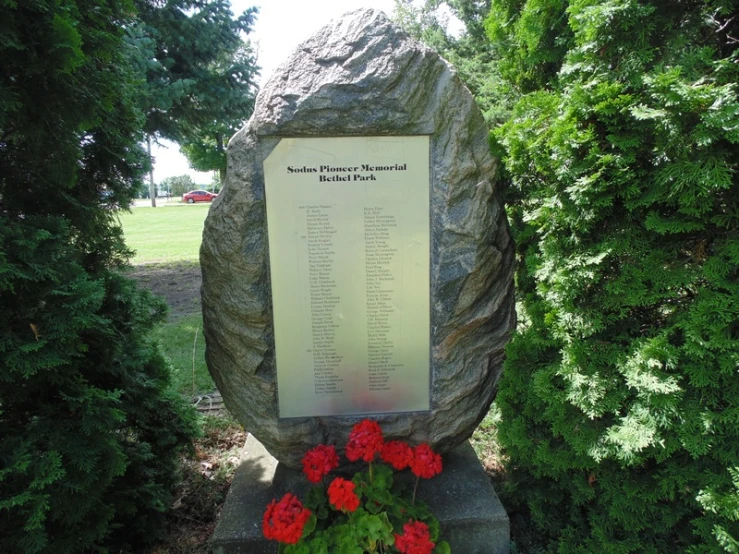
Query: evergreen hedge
x=620, y=396
x=89, y=430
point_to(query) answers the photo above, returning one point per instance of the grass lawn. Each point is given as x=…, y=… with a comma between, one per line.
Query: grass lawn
x=183, y=343
x=165, y=234
x=166, y=240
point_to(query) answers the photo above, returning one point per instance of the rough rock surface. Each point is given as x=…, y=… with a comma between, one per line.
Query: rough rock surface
x=363, y=76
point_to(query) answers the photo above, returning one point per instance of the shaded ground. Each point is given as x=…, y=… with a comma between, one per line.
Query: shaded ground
x=207, y=471
x=206, y=477
x=179, y=284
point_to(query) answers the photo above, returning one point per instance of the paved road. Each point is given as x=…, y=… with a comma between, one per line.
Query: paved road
x=146, y=202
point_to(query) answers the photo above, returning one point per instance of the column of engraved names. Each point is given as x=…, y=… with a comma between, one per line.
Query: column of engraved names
x=381, y=257
x=323, y=299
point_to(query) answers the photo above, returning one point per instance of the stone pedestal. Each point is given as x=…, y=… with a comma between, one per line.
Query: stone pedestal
x=472, y=518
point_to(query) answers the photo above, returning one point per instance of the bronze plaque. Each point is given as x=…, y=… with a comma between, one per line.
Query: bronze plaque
x=348, y=224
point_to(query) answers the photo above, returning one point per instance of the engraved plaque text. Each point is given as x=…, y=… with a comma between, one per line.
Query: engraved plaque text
x=348, y=223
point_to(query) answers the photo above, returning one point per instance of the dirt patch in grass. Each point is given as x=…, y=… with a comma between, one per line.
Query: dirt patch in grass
x=181, y=336
x=178, y=283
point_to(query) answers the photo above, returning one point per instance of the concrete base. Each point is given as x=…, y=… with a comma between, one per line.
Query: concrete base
x=472, y=518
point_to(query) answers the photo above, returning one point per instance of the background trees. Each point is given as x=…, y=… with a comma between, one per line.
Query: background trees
x=620, y=394
x=199, y=73
x=89, y=431
x=471, y=53
x=178, y=185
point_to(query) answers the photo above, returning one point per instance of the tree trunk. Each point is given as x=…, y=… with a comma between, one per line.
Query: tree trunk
x=221, y=150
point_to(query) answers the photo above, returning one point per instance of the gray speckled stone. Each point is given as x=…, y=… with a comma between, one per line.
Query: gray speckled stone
x=363, y=76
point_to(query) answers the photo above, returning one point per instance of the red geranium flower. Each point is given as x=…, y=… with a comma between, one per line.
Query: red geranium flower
x=415, y=539
x=319, y=462
x=365, y=441
x=284, y=520
x=396, y=453
x=425, y=463
x=341, y=495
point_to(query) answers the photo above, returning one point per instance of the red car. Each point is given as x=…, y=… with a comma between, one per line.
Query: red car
x=198, y=196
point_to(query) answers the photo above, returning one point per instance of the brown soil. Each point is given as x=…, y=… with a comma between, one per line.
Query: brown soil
x=179, y=284
x=197, y=502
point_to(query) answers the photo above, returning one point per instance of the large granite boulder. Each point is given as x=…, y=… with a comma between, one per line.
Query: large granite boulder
x=362, y=76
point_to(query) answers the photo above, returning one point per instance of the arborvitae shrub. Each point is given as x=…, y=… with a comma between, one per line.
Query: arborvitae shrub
x=620, y=397
x=89, y=432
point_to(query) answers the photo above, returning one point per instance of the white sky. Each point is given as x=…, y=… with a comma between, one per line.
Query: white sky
x=280, y=26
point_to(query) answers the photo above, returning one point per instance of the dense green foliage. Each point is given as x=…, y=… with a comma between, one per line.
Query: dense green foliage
x=620, y=396
x=533, y=37
x=89, y=431
x=199, y=74
x=473, y=56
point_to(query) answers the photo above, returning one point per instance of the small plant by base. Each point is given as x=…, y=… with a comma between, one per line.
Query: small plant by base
x=369, y=514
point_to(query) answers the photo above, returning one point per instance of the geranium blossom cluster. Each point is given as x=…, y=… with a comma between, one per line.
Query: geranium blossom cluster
x=341, y=495
x=423, y=461
x=284, y=520
x=396, y=453
x=319, y=461
x=365, y=441
x=415, y=539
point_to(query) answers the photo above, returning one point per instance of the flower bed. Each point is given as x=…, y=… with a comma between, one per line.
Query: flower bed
x=372, y=512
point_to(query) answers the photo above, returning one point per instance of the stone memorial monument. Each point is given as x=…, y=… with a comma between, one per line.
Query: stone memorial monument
x=358, y=263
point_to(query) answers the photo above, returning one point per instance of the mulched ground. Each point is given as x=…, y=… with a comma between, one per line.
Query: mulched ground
x=206, y=477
